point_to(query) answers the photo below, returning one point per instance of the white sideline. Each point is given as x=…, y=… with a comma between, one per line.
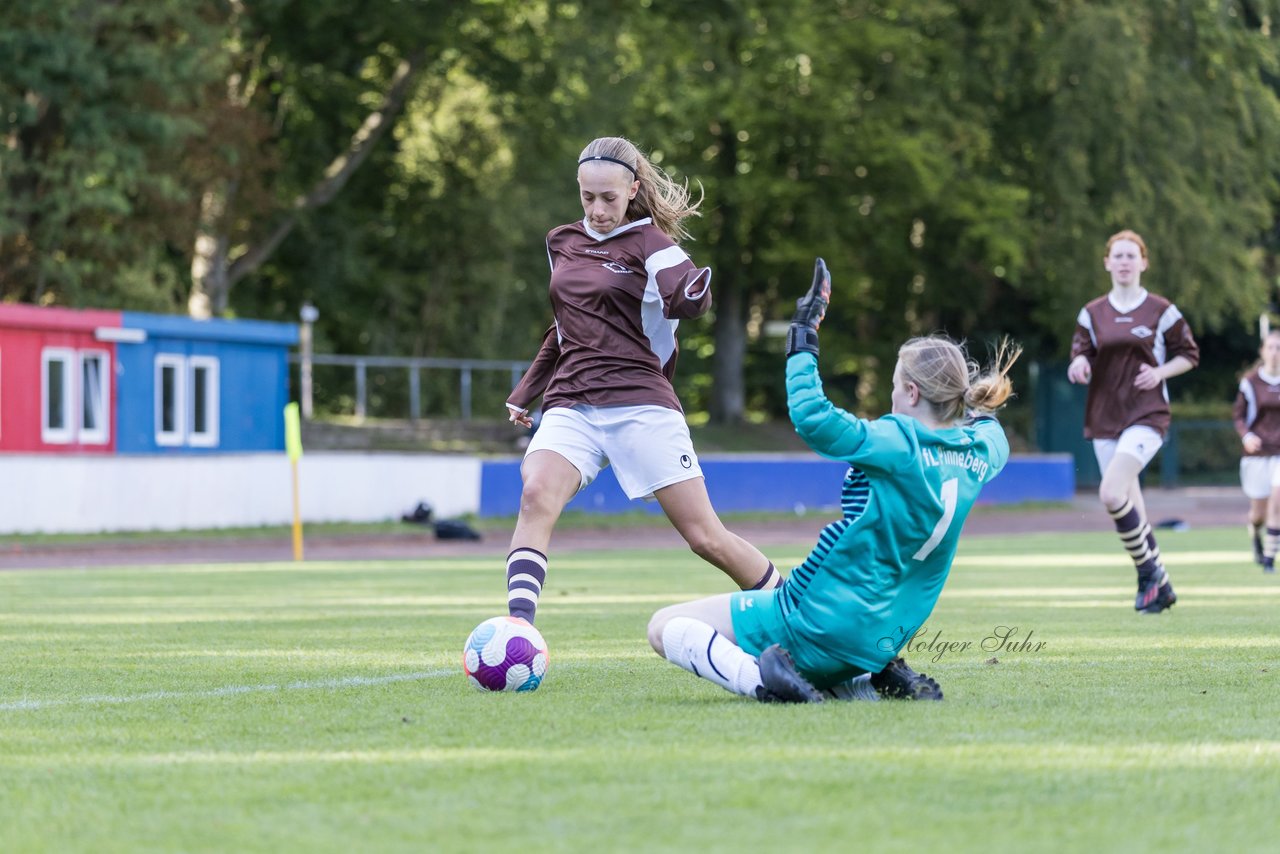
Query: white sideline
x=228, y=691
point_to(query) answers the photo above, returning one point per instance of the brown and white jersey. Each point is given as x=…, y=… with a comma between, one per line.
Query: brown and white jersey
x=1257, y=411
x=1117, y=343
x=617, y=299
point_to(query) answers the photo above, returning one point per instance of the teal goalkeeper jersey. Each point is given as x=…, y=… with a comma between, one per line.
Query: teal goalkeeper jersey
x=874, y=576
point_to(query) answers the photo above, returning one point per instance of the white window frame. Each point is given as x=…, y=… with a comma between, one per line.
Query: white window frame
x=101, y=435
x=64, y=435
x=207, y=438
x=175, y=437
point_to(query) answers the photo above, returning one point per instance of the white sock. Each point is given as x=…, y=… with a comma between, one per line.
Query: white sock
x=857, y=688
x=700, y=649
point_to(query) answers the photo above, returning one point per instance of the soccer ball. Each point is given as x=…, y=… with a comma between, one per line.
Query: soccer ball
x=505, y=654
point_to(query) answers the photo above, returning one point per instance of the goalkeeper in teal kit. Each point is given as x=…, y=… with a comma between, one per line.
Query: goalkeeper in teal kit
x=834, y=628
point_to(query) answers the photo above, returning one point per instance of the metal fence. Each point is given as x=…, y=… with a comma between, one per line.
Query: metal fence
x=412, y=369
x=1200, y=451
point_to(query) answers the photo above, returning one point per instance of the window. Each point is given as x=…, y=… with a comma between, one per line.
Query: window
x=75, y=396
x=204, y=401
x=95, y=395
x=186, y=400
x=169, y=400
x=56, y=381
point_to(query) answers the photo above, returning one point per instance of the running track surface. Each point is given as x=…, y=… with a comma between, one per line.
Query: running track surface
x=1198, y=507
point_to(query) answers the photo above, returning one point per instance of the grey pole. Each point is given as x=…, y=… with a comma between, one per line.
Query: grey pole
x=309, y=314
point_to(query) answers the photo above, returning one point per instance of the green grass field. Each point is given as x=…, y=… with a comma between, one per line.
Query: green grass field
x=321, y=707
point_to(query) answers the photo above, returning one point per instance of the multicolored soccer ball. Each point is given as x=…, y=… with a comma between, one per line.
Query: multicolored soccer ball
x=505, y=654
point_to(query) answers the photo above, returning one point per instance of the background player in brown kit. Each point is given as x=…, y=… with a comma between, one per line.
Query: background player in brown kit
x=1257, y=418
x=620, y=283
x=1126, y=344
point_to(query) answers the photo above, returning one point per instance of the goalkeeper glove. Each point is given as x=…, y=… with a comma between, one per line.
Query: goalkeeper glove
x=802, y=337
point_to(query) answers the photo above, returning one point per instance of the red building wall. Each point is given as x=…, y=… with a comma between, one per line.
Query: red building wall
x=25, y=331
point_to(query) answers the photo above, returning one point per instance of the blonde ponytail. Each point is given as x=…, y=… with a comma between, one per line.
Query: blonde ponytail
x=951, y=382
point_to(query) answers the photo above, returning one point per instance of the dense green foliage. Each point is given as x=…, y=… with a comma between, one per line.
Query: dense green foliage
x=397, y=162
x=321, y=707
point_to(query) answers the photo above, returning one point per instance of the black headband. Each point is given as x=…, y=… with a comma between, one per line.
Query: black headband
x=611, y=160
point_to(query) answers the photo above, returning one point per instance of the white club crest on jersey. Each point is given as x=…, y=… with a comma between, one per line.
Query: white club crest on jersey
x=1142, y=331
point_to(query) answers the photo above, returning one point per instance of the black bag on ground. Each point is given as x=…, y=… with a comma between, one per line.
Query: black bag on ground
x=455, y=529
x=421, y=514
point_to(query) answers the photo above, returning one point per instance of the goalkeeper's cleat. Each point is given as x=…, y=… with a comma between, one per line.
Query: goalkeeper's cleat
x=899, y=682
x=782, y=682
x=1164, y=598
x=857, y=688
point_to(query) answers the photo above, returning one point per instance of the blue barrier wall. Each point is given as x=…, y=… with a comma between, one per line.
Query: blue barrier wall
x=777, y=483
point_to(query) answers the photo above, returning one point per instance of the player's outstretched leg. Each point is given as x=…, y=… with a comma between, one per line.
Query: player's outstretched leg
x=782, y=682
x=899, y=682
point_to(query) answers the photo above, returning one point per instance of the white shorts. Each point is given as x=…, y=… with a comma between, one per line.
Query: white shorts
x=1139, y=441
x=648, y=446
x=1259, y=475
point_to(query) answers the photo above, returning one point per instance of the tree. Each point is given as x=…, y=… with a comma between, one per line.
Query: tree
x=99, y=102
x=1154, y=116
x=817, y=129
x=434, y=248
x=309, y=70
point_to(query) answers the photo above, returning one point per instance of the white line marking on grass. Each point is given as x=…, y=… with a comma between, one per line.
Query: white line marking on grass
x=228, y=691
x=1117, y=558
x=1144, y=758
x=607, y=657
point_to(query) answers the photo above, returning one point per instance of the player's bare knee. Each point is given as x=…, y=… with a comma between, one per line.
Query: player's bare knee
x=657, y=623
x=706, y=545
x=538, y=496
x=1112, y=498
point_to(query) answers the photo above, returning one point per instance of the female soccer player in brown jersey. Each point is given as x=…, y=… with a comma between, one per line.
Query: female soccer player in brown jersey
x=1257, y=419
x=1127, y=343
x=620, y=284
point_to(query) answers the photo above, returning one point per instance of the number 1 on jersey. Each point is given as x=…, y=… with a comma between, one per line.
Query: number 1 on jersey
x=950, y=495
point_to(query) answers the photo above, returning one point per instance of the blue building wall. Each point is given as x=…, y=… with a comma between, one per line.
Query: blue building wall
x=777, y=483
x=253, y=380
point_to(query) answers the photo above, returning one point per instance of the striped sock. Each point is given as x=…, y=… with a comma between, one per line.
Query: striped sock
x=526, y=571
x=700, y=649
x=1271, y=544
x=771, y=579
x=1154, y=551
x=1137, y=538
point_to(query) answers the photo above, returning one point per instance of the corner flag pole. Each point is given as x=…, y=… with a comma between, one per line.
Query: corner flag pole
x=293, y=447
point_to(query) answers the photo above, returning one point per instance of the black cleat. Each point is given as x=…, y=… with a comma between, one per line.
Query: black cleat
x=782, y=682
x=1163, y=600
x=899, y=682
x=1149, y=590
x=1269, y=567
